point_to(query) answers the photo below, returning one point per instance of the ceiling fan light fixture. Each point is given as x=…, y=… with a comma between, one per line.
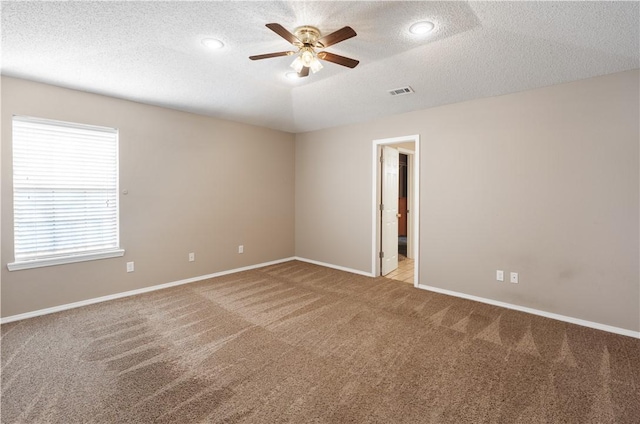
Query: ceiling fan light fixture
x=297, y=64
x=307, y=57
x=422, y=27
x=315, y=65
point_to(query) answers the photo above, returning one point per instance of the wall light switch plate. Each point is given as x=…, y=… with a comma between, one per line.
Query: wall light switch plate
x=514, y=277
x=241, y=249
x=130, y=267
x=500, y=275
x=192, y=257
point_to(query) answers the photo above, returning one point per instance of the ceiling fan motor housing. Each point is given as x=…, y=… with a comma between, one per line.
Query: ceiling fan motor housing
x=308, y=35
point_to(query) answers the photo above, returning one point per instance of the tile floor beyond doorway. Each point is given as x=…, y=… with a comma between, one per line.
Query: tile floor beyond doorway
x=404, y=272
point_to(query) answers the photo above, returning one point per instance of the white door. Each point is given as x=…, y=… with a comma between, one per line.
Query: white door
x=389, y=233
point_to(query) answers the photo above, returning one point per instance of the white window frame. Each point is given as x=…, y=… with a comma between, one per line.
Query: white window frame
x=80, y=256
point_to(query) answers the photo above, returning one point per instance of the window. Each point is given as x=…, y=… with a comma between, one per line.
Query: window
x=65, y=193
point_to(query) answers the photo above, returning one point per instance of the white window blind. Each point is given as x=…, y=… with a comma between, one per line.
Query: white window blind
x=65, y=191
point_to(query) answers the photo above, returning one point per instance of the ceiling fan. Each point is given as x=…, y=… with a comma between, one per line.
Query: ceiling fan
x=307, y=40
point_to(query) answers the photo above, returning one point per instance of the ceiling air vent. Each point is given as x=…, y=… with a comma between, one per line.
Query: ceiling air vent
x=401, y=91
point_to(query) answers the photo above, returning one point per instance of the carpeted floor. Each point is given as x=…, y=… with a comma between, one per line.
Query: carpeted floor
x=300, y=343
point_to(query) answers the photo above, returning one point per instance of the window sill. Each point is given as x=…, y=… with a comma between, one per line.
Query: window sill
x=38, y=263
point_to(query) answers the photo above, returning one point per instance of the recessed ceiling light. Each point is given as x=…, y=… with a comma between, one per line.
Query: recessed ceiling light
x=212, y=43
x=423, y=27
x=292, y=75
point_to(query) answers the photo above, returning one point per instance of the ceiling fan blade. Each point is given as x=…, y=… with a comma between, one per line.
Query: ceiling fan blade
x=282, y=32
x=304, y=72
x=336, y=37
x=340, y=60
x=268, y=55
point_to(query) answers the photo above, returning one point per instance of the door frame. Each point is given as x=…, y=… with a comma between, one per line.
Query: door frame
x=414, y=213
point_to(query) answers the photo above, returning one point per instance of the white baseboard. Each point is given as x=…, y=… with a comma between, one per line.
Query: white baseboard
x=582, y=322
x=338, y=267
x=73, y=305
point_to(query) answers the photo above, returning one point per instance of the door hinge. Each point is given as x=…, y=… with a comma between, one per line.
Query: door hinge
x=381, y=159
x=381, y=206
x=381, y=254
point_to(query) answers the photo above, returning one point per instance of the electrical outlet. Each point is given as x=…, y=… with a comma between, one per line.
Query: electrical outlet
x=241, y=249
x=500, y=275
x=192, y=257
x=130, y=267
x=514, y=277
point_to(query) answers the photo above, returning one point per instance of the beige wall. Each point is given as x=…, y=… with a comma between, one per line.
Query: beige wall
x=196, y=184
x=544, y=183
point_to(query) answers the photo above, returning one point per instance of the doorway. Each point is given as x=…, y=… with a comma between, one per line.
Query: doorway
x=385, y=243
x=403, y=204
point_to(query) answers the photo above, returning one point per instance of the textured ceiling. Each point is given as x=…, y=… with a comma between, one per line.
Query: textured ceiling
x=151, y=52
